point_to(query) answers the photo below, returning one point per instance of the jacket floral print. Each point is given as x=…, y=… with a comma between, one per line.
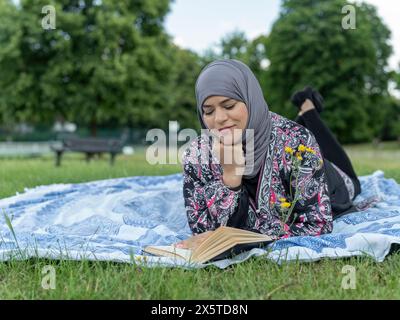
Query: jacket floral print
x=210, y=203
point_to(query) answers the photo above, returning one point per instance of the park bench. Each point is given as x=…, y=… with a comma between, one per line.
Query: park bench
x=89, y=146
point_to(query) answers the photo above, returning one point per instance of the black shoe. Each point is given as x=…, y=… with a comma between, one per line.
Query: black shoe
x=318, y=101
x=308, y=93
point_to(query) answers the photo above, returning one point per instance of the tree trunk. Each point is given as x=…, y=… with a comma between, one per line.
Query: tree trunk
x=93, y=127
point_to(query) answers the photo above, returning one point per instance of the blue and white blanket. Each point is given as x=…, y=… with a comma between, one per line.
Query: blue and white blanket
x=114, y=219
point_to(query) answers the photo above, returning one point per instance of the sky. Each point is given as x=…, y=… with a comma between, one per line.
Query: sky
x=200, y=24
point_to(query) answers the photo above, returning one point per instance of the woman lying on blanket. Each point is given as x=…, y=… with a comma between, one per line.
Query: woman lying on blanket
x=255, y=190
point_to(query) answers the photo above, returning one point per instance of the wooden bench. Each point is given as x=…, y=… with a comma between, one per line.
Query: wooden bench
x=89, y=146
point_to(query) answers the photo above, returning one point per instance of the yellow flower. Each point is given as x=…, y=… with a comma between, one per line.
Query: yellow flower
x=302, y=148
x=298, y=156
x=285, y=205
x=289, y=150
x=310, y=150
x=282, y=199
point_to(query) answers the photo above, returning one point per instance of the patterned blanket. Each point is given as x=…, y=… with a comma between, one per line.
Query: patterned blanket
x=114, y=219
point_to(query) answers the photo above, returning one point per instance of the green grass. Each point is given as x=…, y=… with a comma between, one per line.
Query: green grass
x=256, y=278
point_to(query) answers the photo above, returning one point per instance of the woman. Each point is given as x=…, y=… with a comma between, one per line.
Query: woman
x=230, y=100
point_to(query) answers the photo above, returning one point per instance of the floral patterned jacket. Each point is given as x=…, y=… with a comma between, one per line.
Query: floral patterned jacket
x=210, y=203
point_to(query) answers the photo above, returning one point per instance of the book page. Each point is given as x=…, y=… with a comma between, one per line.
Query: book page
x=220, y=240
x=222, y=245
x=225, y=238
x=240, y=235
x=245, y=233
x=169, y=251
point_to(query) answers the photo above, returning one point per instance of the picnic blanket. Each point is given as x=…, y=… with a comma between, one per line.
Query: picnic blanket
x=115, y=219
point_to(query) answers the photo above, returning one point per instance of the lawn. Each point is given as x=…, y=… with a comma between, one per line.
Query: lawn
x=256, y=278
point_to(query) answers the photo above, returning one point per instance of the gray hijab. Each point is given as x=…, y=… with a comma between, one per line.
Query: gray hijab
x=233, y=79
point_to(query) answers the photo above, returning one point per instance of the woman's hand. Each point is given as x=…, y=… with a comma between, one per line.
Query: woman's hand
x=232, y=160
x=193, y=242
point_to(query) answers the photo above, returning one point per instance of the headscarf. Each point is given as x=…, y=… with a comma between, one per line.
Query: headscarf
x=234, y=79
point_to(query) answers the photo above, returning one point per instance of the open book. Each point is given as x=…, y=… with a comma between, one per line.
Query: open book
x=224, y=242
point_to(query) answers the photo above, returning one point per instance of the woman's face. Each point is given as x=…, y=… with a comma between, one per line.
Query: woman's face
x=226, y=118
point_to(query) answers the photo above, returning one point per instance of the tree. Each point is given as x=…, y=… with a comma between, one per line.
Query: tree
x=308, y=46
x=235, y=45
x=106, y=61
x=391, y=121
x=10, y=37
x=391, y=129
x=187, y=67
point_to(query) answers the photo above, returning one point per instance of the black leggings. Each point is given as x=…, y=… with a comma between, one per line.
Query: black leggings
x=329, y=145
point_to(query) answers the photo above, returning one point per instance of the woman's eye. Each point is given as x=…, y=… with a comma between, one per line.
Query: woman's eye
x=211, y=111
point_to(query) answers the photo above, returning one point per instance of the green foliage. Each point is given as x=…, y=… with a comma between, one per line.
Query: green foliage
x=187, y=66
x=391, y=123
x=111, y=63
x=106, y=62
x=10, y=37
x=235, y=45
x=308, y=46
